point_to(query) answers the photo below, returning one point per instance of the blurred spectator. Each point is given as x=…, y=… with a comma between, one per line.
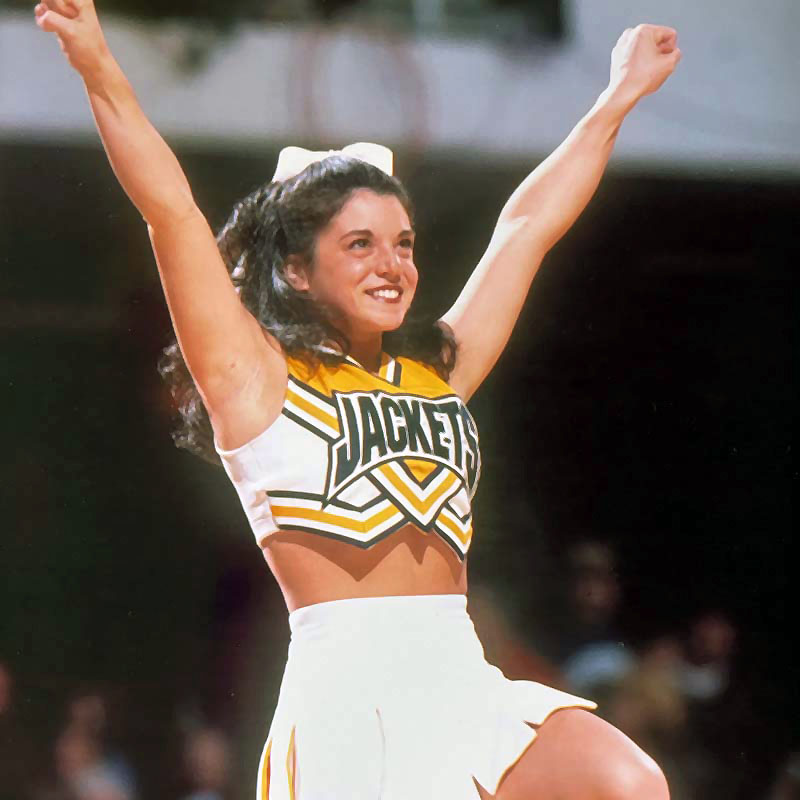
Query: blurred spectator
x=650, y=707
x=706, y=672
x=725, y=721
x=15, y=749
x=593, y=656
x=75, y=753
x=207, y=761
x=787, y=783
x=5, y=690
x=83, y=768
x=101, y=784
x=88, y=711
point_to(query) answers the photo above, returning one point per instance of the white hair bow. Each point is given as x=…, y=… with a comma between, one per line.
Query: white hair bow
x=293, y=160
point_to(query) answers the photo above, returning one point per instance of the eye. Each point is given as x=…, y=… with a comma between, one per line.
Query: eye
x=358, y=244
x=407, y=243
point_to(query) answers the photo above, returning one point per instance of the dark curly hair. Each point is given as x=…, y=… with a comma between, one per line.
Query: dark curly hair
x=275, y=221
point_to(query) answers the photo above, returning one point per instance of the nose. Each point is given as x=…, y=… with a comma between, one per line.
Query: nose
x=389, y=264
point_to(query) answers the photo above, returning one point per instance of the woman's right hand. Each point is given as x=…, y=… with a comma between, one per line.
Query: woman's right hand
x=78, y=30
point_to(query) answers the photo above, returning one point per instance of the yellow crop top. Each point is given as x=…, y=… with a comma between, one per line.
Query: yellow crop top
x=355, y=456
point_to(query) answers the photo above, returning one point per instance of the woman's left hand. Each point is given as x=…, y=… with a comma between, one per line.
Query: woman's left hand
x=643, y=58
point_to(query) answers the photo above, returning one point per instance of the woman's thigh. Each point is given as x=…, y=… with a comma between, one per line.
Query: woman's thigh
x=578, y=756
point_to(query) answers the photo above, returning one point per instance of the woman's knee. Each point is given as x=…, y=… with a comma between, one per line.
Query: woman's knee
x=579, y=756
x=633, y=776
x=619, y=769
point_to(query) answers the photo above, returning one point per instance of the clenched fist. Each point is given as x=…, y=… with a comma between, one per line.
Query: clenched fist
x=78, y=30
x=643, y=58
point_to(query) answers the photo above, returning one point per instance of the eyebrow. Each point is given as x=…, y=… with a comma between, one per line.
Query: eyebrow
x=368, y=232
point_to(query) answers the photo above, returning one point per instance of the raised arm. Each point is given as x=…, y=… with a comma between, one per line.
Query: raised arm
x=231, y=359
x=546, y=204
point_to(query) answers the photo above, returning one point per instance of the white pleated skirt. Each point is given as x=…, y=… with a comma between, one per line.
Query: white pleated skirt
x=391, y=698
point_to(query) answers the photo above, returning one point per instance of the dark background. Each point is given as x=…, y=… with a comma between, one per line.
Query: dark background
x=645, y=398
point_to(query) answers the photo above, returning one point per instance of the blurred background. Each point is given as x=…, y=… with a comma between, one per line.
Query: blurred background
x=634, y=518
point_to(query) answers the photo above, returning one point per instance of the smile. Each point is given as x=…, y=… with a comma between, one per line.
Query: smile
x=385, y=295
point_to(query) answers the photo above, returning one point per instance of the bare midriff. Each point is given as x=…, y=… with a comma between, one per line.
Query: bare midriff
x=312, y=569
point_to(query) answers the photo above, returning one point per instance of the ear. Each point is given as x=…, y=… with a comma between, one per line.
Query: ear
x=296, y=273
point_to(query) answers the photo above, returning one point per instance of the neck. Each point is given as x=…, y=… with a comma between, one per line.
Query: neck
x=367, y=351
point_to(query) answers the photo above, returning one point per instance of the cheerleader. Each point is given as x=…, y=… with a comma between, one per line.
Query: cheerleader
x=346, y=434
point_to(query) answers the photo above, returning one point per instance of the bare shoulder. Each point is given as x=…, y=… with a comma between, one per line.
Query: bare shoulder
x=240, y=414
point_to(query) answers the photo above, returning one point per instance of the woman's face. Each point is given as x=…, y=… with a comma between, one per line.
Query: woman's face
x=364, y=269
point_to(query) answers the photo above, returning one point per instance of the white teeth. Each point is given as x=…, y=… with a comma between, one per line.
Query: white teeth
x=388, y=294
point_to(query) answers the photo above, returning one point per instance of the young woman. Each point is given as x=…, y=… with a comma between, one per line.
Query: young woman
x=346, y=435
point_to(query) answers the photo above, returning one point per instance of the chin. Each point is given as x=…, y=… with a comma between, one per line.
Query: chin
x=394, y=318
x=393, y=324
x=373, y=318
x=378, y=326
x=388, y=320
